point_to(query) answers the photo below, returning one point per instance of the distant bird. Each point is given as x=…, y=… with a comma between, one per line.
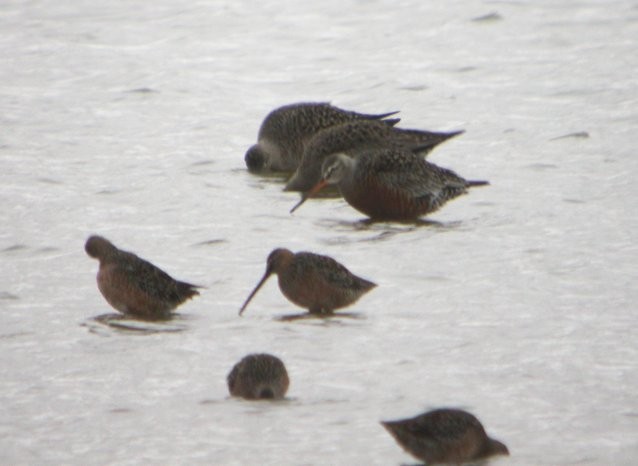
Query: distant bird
x=391, y=184
x=354, y=136
x=286, y=130
x=312, y=281
x=258, y=377
x=444, y=436
x=134, y=286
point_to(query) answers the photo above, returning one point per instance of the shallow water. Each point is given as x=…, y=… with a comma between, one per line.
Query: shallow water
x=130, y=119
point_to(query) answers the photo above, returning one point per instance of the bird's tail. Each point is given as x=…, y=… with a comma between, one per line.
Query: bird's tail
x=187, y=290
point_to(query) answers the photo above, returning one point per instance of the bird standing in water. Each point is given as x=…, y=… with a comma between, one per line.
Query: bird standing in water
x=259, y=377
x=286, y=130
x=355, y=136
x=134, y=286
x=312, y=281
x=390, y=184
x=444, y=436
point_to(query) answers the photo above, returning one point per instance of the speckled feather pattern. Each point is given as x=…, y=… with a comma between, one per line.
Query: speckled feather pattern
x=258, y=376
x=315, y=282
x=354, y=136
x=444, y=436
x=319, y=283
x=286, y=130
x=133, y=285
x=394, y=183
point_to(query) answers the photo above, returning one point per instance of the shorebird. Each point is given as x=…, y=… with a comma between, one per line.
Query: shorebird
x=286, y=130
x=355, y=136
x=390, y=184
x=444, y=436
x=312, y=281
x=134, y=286
x=258, y=377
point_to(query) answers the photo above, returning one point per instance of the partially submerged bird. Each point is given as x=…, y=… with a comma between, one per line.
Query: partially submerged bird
x=258, y=377
x=390, y=184
x=444, y=436
x=312, y=281
x=134, y=286
x=286, y=130
x=354, y=136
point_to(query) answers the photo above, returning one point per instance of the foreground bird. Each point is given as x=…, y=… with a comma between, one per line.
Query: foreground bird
x=258, y=377
x=286, y=130
x=390, y=184
x=134, y=286
x=355, y=136
x=444, y=436
x=312, y=281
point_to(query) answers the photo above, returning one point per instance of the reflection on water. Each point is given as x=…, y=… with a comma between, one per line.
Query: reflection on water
x=379, y=231
x=367, y=224
x=325, y=319
x=126, y=324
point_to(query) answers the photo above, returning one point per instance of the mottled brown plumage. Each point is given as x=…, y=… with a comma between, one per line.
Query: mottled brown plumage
x=312, y=281
x=353, y=137
x=391, y=184
x=444, y=436
x=258, y=377
x=286, y=130
x=134, y=286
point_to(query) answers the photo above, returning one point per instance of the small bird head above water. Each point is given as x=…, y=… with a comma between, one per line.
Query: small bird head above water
x=259, y=377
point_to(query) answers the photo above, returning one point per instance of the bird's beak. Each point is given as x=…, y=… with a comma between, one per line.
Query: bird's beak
x=315, y=189
x=254, y=292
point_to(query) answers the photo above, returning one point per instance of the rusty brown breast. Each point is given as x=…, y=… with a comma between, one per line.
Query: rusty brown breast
x=391, y=183
x=312, y=281
x=354, y=136
x=134, y=286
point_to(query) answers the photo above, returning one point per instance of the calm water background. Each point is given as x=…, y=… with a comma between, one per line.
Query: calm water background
x=131, y=119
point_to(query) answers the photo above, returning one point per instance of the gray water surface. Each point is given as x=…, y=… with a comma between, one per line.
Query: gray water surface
x=131, y=119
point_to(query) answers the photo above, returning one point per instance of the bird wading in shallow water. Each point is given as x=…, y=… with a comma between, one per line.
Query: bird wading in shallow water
x=390, y=184
x=134, y=286
x=286, y=130
x=444, y=436
x=259, y=377
x=312, y=281
x=354, y=136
